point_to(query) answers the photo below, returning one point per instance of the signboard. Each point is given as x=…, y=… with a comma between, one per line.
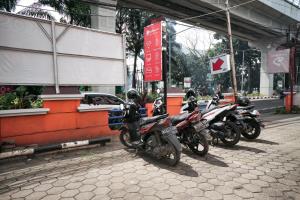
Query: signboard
x=153, y=52
x=187, y=81
x=220, y=64
x=278, y=61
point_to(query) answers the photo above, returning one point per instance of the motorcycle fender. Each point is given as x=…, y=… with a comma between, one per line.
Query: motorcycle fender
x=259, y=121
x=171, y=138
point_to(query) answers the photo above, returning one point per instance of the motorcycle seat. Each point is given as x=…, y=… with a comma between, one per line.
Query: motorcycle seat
x=148, y=120
x=179, y=118
x=245, y=107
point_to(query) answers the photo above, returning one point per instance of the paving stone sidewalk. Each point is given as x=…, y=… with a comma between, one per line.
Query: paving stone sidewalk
x=267, y=168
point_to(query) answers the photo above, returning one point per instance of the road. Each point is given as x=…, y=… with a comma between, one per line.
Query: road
x=266, y=168
x=267, y=104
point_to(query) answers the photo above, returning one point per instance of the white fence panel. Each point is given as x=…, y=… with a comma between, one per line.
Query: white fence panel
x=84, y=56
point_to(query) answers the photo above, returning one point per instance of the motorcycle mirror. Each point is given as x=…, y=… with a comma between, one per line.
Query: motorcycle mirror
x=158, y=91
x=122, y=106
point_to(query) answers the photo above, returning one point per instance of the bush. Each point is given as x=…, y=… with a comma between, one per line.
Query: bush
x=151, y=97
x=281, y=110
x=20, y=98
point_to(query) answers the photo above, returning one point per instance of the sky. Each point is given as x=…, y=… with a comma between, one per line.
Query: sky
x=201, y=37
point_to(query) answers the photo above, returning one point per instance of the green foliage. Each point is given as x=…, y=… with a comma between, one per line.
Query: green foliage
x=151, y=97
x=254, y=94
x=77, y=12
x=8, y=5
x=35, y=11
x=21, y=97
x=281, y=110
x=131, y=22
x=252, y=61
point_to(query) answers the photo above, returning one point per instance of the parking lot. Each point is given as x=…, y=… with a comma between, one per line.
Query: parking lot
x=266, y=168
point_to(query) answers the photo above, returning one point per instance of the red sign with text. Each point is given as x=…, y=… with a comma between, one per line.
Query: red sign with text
x=153, y=52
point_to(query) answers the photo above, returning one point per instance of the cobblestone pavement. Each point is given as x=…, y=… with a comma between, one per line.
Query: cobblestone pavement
x=267, y=168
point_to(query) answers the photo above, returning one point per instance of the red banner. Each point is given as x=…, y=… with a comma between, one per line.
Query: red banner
x=153, y=52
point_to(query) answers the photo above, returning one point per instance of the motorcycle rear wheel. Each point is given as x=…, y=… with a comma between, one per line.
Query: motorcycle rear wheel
x=199, y=140
x=253, y=129
x=173, y=158
x=235, y=131
x=125, y=139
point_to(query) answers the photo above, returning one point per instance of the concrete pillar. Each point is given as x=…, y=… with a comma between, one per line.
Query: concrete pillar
x=106, y=16
x=104, y=19
x=266, y=80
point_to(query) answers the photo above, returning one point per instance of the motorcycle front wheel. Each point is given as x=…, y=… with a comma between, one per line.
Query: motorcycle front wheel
x=233, y=134
x=199, y=144
x=125, y=139
x=253, y=129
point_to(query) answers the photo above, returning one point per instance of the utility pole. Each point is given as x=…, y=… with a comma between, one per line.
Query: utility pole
x=243, y=72
x=232, y=62
x=170, y=61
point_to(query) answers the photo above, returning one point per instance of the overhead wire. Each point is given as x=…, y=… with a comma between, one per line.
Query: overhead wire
x=180, y=21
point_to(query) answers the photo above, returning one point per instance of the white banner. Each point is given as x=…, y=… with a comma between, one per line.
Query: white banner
x=83, y=56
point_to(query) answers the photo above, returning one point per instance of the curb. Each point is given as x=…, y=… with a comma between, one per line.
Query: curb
x=52, y=147
x=263, y=97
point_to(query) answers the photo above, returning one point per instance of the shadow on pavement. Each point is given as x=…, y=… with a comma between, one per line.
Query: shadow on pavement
x=244, y=148
x=260, y=141
x=181, y=168
x=209, y=158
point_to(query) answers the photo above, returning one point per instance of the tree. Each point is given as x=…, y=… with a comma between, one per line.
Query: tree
x=8, y=5
x=251, y=60
x=131, y=22
x=75, y=12
x=35, y=11
x=179, y=68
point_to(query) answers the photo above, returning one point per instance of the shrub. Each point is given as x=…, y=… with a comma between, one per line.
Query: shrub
x=20, y=98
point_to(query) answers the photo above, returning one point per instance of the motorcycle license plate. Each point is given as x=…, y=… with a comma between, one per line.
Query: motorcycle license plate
x=171, y=129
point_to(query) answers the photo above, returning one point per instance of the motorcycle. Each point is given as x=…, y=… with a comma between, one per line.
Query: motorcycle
x=191, y=132
x=252, y=120
x=221, y=122
x=249, y=122
x=157, y=136
x=158, y=107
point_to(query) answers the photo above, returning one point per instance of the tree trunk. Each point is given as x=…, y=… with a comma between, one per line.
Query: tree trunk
x=153, y=87
x=134, y=71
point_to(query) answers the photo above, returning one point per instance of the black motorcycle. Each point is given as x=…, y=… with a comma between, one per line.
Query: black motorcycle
x=154, y=135
x=252, y=122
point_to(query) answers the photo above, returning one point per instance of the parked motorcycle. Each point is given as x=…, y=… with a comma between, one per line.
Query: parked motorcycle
x=158, y=107
x=191, y=132
x=220, y=122
x=154, y=135
x=252, y=120
x=249, y=122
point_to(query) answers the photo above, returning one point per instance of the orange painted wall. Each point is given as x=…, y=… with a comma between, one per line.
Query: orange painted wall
x=174, y=105
x=63, y=123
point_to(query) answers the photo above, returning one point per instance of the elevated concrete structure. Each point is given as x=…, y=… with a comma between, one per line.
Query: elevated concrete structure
x=258, y=21
x=104, y=19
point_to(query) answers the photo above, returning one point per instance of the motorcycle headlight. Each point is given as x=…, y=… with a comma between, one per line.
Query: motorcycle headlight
x=255, y=112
